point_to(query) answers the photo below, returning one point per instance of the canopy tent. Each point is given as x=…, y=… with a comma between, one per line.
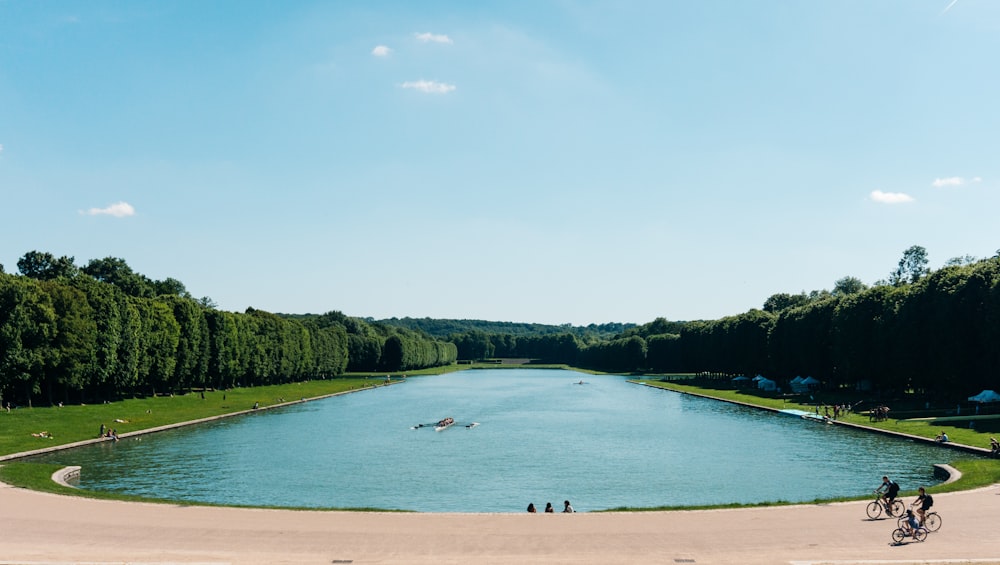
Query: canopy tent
x=766, y=384
x=803, y=385
x=985, y=396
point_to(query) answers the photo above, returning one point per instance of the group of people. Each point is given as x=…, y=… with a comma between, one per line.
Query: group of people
x=108, y=433
x=878, y=413
x=923, y=502
x=835, y=411
x=567, y=507
x=942, y=437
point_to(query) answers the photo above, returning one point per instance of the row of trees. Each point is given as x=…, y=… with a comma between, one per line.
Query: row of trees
x=103, y=332
x=930, y=332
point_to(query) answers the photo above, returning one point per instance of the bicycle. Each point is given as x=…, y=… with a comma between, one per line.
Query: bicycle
x=919, y=534
x=932, y=521
x=875, y=508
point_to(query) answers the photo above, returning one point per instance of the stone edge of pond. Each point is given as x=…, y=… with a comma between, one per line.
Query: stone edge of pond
x=165, y=427
x=901, y=435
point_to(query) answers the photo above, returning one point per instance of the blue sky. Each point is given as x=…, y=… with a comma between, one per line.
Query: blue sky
x=534, y=161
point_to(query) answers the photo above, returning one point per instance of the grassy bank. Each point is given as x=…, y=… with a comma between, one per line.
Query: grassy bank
x=975, y=472
x=27, y=429
x=957, y=428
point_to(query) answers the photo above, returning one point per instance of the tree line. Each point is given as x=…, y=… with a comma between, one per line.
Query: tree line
x=104, y=331
x=933, y=333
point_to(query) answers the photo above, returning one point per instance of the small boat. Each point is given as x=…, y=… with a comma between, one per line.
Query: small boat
x=444, y=424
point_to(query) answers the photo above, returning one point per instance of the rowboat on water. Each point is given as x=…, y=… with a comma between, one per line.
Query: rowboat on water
x=444, y=424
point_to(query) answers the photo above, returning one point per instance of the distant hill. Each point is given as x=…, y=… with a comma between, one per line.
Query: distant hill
x=444, y=328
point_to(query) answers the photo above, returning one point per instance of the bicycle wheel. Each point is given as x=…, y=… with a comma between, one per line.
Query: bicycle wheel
x=898, y=508
x=874, y=510
x=898, y=535
x=920, y=534
x=932, y=522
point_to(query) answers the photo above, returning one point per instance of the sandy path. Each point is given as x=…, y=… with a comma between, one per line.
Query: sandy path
x=53, y=529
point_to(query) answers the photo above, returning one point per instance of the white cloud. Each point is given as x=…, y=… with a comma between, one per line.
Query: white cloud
x=119, y=210
x=381, y=51
x=429, y=86
x=950, y=181
x=890, y=197
x=432, y=38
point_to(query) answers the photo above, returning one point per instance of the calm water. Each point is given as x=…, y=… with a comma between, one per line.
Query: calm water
x=542, y=438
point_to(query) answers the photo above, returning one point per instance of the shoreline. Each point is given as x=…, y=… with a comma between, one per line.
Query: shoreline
x=948, y=445
x=41, y=528
x=165, y=427
x=944, y=471
x=55, y=529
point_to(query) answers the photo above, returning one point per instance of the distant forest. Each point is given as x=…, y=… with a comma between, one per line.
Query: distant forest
x=103, y=331
x=445, y=328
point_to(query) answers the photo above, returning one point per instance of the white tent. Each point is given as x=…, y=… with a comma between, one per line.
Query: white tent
x=766, y=384
x=803, y=385
x=985, y=396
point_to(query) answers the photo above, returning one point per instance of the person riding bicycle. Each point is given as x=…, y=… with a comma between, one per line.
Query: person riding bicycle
x=926, y=501
x=910, y=525
x=891, y=490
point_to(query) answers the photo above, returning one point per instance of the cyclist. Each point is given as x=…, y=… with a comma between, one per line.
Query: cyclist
x=911, y=524
x=891, y=490
x=926, y=501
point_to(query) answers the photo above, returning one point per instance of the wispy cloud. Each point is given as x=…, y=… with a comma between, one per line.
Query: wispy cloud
x=429, y=86
x=432, y=38
x=948, y=7
x=381, y=51
x=954, y=181
x=890, y=197
x=118, y=210
x=1, y=147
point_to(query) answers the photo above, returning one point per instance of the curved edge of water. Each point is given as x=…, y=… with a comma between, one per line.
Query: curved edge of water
x=66, y=474
x=55, y=448
x=949, y=473
x=948, y=445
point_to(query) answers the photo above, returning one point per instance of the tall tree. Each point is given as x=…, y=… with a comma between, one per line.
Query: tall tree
x=912, y=266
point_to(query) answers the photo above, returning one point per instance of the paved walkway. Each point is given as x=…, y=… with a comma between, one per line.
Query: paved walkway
x=38, y=528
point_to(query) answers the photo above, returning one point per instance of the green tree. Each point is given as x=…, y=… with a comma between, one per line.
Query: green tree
x=113, y=270
x=848, y=286
x=912, y=266
x=46, y=267
x=27, y=326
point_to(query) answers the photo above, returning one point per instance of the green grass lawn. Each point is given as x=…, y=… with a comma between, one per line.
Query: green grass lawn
x=21, y=428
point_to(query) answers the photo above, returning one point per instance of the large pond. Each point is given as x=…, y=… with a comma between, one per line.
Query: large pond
x=542, y=437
